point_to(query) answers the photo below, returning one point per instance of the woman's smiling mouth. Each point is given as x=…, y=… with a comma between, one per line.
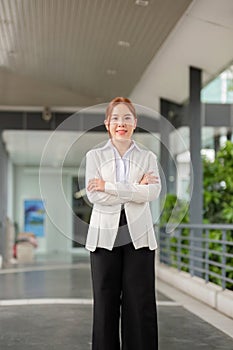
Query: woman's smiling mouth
x=121, y=132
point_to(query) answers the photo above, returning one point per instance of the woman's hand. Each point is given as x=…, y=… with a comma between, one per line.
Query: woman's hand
x=96, y=185
x=148, y=178
x=99, y=184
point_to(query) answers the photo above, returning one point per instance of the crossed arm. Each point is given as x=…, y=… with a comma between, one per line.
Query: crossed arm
x=109, y=193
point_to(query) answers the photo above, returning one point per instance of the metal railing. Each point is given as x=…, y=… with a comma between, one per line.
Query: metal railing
x=202, y=250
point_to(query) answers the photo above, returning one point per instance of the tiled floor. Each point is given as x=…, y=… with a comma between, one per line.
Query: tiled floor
x=68, y=326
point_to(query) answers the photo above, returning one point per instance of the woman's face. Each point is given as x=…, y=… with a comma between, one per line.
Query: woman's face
x=121, y=123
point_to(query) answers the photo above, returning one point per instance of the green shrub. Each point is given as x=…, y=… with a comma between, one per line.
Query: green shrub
x=218, y=208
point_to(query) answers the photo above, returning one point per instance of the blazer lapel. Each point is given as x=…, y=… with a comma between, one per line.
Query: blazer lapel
x=133, y=167
x=137, y=165
x=109, y=165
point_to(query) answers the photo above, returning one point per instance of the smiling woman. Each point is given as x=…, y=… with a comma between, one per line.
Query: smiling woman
x=121, y=122
x=121, y=180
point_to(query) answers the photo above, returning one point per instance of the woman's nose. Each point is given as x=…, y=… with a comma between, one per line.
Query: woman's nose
x=121, y=121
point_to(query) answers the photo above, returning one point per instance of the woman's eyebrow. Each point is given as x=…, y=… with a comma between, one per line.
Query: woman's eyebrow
x=117, y=115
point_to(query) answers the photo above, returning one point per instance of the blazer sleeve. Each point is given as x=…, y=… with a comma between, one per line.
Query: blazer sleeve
x=136, y=192
x=92, y=171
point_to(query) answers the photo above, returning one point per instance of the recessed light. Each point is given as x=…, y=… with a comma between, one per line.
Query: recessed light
x=123, y=43
x=111, y=71
x=5, y=21
x=12, y=53
x=142, y=3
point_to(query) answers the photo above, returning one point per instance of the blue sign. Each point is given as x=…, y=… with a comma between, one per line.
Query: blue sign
x=34, y=217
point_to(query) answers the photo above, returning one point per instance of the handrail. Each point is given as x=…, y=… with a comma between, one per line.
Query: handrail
x=198, y=253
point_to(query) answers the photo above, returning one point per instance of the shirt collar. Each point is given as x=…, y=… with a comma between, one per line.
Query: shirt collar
x=134, y=144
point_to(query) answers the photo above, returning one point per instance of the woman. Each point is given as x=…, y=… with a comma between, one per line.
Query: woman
x=121, y=180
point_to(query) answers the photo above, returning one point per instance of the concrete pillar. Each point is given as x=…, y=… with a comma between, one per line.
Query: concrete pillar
x=3, y=197
x=166, y=161
x=195, y=123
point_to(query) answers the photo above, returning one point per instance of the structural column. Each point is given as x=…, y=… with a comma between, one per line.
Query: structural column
x=166, y=160
x=3, y=197
x=196, y=197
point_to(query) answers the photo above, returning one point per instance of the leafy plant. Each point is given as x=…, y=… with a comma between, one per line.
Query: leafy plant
x=218, y=204
x=218, y=208
x=180, y=215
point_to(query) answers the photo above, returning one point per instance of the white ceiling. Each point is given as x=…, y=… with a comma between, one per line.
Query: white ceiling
x=66, y=52
x=57, y=53
x=203, y=39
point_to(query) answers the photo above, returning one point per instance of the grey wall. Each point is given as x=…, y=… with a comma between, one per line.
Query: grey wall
x=3, y=197
x=27, y=187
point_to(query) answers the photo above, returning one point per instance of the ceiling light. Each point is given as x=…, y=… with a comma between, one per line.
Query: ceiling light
x=5, y=21
x=11, y=53
x=142, y=3
x=111, y=71
x=123, y=43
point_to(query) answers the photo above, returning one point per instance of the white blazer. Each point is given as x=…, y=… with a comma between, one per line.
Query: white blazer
x=105, y=216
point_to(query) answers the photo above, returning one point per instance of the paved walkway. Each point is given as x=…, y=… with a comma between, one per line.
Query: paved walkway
x=50, y=307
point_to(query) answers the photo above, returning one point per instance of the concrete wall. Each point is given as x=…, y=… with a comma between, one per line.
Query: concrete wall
x=209, y=293
x=26, y=186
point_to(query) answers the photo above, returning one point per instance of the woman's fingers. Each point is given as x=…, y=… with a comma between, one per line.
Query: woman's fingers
x=96, y=185
x=99, y=185
x=92, y=185
x=150, y=179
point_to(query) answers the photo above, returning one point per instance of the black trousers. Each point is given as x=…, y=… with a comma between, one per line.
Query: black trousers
x=124, y=289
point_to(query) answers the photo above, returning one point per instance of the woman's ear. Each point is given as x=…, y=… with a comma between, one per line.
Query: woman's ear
x=106, y=124
x=135, y=123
